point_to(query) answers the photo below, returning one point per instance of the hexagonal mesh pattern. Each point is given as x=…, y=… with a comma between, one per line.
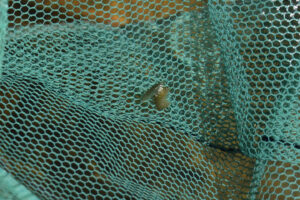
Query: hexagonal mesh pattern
x=264, y=40
x=154, y=100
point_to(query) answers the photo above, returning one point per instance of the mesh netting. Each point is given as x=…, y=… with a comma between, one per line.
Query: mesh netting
x=3, y=24
x=151, y=100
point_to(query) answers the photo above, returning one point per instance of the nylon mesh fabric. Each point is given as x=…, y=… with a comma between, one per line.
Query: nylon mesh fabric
x=154, y=100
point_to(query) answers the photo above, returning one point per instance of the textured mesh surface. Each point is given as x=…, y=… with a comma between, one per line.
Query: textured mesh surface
x=151, y=100
x=10, y=189
x=3, y=25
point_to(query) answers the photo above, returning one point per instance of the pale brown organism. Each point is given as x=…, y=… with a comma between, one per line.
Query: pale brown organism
x=159, y=93
x=160, y=99
x=150, y=92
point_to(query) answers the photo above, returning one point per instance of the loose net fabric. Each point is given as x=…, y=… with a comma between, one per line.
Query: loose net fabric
x=72, y=125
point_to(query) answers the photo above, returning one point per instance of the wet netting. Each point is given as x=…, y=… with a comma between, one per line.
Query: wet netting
x=150, y=100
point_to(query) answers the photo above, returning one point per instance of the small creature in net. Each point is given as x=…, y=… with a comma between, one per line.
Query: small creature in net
x=159, y=93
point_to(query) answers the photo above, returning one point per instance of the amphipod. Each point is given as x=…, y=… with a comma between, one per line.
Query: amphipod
x=161, y=98
x=150, y=92
x=159, y=93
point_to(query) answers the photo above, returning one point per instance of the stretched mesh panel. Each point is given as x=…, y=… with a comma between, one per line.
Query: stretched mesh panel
x=151, y=100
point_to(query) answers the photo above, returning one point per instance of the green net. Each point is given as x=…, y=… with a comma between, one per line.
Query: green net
x=154, y=100
x=3, y=25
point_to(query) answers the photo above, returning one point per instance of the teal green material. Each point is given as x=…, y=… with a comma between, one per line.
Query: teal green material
x=10, y=189
x=72, y=125
x=261, y=52
x=3, y=25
